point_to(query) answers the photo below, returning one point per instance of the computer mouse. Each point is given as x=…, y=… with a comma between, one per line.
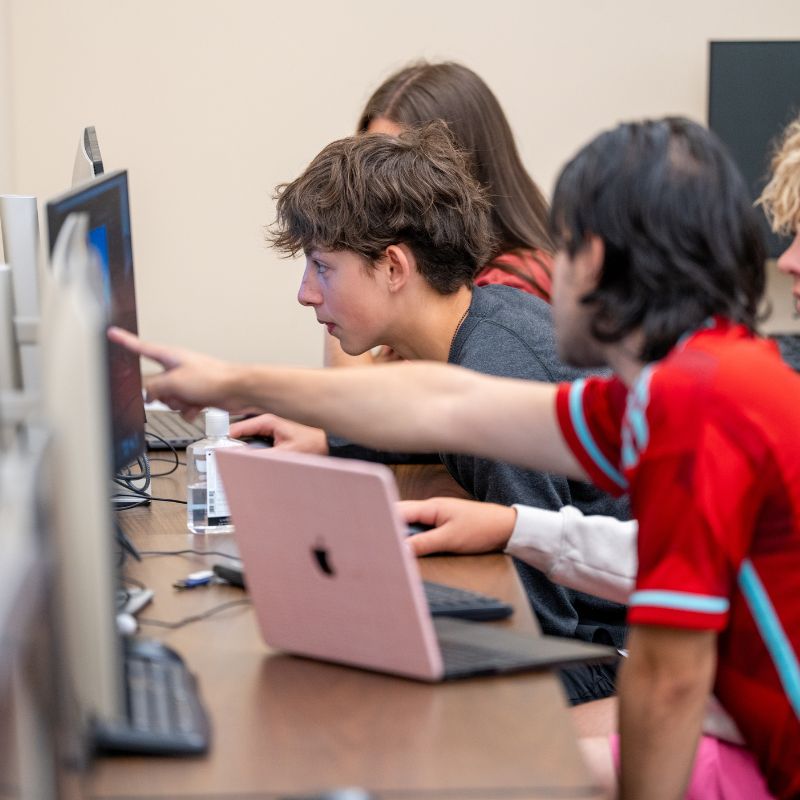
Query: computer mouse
x=231, y=574
x=418, y=527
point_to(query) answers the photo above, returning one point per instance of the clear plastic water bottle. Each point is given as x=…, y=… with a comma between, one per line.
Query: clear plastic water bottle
x=206, y=505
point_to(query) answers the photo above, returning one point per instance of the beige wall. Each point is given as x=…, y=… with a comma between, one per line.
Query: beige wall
x=6, y=144
x=210, y=103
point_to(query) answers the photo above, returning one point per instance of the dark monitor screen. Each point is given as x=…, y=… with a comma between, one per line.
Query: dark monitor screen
x=105, y=200
x=753, y=93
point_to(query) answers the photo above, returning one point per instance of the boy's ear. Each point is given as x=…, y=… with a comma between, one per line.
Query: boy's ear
x=594, y=252
x=400, y=265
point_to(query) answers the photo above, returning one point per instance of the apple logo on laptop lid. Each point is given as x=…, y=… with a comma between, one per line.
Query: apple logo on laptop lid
x=322, y=559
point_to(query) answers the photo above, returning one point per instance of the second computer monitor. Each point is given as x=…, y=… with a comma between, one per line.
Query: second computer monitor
x=105, y=200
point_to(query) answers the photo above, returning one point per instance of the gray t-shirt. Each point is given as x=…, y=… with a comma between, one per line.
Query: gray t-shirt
x=509, y=333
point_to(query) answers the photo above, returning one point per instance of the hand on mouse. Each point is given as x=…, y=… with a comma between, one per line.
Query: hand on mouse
x=287, y=435
x=461, y=526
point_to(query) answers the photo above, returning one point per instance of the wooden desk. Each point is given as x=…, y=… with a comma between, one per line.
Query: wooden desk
x=285, y=725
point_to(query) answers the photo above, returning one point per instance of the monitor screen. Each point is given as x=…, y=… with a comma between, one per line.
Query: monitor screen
x=753, y=93
x=105, y=200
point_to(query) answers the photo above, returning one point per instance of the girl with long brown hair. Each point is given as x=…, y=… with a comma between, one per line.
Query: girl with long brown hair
x=421, y=93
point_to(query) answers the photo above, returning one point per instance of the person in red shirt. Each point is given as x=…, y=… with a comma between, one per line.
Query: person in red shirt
x=659, y=274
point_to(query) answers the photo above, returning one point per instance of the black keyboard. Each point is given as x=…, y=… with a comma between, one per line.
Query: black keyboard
x=443, y=601
x=461, y=658
x=165, y=715
x=450, y=601
x=169, y=426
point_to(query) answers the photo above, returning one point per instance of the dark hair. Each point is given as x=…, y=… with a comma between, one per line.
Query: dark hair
x=365, y=193
x=682, y=241
x=421, y=93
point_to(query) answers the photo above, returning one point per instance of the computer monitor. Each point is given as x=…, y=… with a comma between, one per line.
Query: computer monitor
x=105, y=201
x=19, y=294
x=88, y=161
x=76, y=405
x=753, y=93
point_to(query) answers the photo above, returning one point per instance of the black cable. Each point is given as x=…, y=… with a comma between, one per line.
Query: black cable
x=126, y=479
x=168, y=500
x=126, y=545
x=132, y=581
x=188, y=551
x=128, y=506
x=195, y=617
x=146, y=496
x=177, y=462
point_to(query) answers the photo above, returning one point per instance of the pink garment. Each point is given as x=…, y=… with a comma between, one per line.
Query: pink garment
x=721, y=771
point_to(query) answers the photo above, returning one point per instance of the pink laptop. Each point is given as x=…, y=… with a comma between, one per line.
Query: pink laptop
x=331, y=578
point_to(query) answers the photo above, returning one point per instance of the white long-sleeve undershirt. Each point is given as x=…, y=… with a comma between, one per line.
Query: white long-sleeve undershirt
x=594, y=554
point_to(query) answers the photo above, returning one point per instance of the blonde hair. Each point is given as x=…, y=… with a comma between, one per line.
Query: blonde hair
x=781, y=196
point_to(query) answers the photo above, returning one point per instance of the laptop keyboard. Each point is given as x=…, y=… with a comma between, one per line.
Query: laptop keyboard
x=470, y=648
x=450, y=601
x=165, y=715
x=169, y=426
x=461, y=658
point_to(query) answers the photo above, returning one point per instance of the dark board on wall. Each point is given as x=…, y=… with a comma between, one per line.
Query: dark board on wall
x=753, y=92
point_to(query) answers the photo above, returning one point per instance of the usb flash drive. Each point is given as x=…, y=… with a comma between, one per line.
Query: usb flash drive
x=202, y=578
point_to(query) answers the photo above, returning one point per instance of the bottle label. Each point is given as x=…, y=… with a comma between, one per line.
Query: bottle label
x=216, y=502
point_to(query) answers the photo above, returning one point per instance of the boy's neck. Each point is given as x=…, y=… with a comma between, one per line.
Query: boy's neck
x=431, y=322
x=623, y=358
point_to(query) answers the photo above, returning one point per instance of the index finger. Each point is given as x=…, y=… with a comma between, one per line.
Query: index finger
x=130, y=341
x=423, y=511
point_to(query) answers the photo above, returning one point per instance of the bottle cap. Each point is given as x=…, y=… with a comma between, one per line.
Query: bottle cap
x=217, y=422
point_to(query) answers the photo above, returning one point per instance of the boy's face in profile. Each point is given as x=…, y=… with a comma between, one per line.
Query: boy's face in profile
x=789, y=263
x=349, y=297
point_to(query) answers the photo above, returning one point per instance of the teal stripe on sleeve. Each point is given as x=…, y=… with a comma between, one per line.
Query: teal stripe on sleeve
x=585, y=437
x=682, y=601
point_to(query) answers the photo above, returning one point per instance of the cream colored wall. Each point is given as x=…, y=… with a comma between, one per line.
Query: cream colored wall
x=6, y=145
x=210, y=103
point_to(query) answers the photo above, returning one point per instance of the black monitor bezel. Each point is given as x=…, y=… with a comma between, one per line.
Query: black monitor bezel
x=58, y=209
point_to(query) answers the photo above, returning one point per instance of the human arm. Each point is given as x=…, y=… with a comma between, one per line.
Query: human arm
x=664, y=686
x=593, y=554
x=293, y=436
x=404, y=407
